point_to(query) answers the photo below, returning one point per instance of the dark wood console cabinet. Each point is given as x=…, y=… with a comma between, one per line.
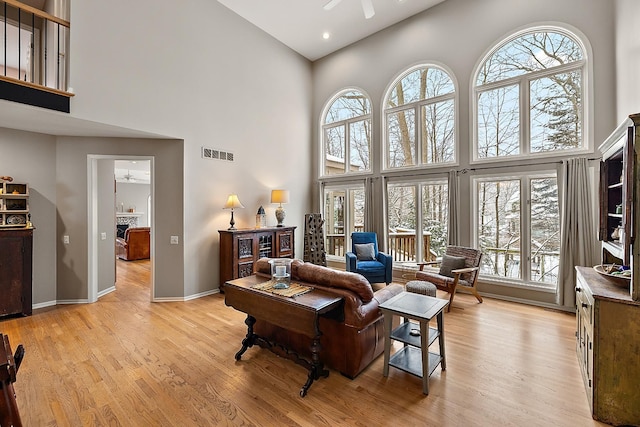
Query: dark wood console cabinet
x=240, y=249
x=16, y=247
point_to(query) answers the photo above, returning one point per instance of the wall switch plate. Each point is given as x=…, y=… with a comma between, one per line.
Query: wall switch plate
x=65, y=240
x=174, y=240
x=103, y=236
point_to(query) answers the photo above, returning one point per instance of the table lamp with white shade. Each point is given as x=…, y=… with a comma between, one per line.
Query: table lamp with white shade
x=232, y=203
x=280, y=196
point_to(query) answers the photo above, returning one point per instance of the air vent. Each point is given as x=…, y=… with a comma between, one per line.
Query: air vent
x=216, y=154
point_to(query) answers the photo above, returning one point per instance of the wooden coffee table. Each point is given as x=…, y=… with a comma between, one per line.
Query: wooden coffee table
x=299, y=314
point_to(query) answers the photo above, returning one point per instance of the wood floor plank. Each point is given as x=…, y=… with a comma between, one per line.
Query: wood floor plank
x=126, y=361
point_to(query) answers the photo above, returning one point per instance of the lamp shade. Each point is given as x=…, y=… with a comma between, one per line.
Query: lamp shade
x=233, y=202
x=279, y=196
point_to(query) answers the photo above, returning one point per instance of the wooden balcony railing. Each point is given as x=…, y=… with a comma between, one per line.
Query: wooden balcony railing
x=401, y=245
x=34, y=48
x=335, y=244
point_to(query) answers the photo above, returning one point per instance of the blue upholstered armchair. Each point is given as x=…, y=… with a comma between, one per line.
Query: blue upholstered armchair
x=365, y=259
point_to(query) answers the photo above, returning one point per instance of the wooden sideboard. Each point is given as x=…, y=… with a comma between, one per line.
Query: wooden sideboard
x=240, y=249
x=16, y=247
x=608, y=347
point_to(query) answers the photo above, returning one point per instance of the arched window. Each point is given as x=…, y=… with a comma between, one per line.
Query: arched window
x=346, y=136
x=420, y=113
x=529, y=94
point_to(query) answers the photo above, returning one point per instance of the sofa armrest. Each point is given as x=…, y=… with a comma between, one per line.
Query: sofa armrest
x=351, y=261
x=358, y=313
x=388, y=292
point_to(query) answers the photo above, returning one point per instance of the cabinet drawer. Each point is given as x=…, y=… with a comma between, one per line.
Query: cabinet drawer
x=584, y=303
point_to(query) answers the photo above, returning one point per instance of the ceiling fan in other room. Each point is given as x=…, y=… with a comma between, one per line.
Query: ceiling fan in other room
x=367, y=7
x=128, y=177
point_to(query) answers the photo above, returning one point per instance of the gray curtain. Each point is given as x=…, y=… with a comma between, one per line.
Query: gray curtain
x=374, y=215
x=369, y=206
x=452, y=226
x=321, y=197
x=579, y=240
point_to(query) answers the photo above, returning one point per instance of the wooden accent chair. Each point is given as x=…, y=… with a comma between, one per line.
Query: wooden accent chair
x=135, y=245
x=459, y=266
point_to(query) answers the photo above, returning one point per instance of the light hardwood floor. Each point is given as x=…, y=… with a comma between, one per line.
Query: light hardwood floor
x=125, y=361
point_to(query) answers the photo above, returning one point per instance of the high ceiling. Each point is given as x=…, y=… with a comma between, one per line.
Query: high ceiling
x=300, y=24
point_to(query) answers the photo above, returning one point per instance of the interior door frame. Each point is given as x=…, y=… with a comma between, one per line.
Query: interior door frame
x=93, y=236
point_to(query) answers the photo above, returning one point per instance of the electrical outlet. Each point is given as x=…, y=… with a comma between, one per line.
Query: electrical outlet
x=174, y=240
x=65, y=240
x=103, y=236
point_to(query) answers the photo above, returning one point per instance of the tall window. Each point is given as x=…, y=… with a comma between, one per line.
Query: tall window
x=420, y=119
x=529, y=96
x=417, y=218
x=343, y=214
x=518, y=228
x=347, y=134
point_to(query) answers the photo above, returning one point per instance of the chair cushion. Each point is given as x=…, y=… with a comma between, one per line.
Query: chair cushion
x=365, y=251
x=370, y=266
x=449, y=263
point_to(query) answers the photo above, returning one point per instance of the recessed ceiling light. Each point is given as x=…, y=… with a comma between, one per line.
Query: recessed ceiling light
x=326, y=35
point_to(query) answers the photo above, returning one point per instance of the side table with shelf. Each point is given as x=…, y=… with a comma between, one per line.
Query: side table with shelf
x=414, y=357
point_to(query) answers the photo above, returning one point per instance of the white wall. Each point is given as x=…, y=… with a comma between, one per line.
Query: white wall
x=199, y=72
x=627, y=59
x=196, y=72
x=457, y=34
x=27, y=158
x=105, y=221
x=72, y=201
x=132, y=195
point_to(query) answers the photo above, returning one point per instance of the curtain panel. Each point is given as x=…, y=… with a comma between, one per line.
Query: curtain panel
x=452, y=226
x=578, y=240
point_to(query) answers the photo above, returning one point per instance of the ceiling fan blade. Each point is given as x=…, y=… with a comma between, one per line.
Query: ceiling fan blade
x=367, y=7
x=331, y=4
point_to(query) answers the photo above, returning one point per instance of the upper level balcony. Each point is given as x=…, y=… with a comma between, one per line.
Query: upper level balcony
x=34, y=53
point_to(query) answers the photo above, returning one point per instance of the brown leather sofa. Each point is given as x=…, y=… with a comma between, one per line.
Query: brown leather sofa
x=135, y=245
x=347, y=346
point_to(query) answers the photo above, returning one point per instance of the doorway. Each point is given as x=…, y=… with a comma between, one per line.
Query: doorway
x=121, y=190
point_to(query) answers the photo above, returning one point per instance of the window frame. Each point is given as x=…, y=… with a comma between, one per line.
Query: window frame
x=584, y=66
x=348, y=221
x=416, y=107
x=345, y=124
x=418, y=183
x=525, y=179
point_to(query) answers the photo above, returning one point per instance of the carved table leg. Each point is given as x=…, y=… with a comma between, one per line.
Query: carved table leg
x=249, y=340
x=316, y=370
